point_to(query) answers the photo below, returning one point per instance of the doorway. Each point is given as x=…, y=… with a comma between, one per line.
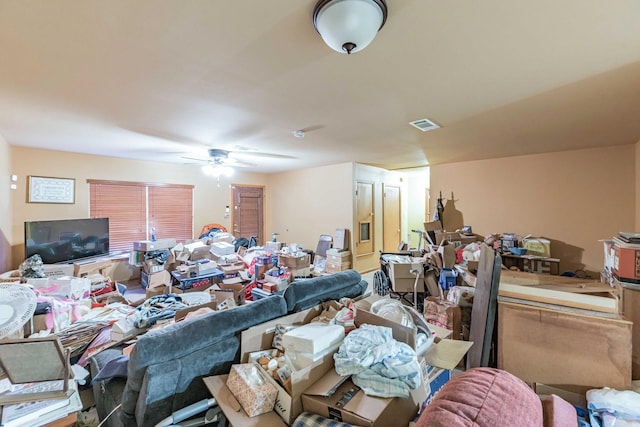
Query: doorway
x=391, y=212
x=247, y=215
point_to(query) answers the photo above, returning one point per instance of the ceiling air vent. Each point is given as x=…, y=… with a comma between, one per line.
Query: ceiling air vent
x=424, y=125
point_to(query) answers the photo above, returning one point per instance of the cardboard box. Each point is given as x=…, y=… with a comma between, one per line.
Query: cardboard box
x=183, y=283
x=402, y=280
x=152, y=266
x=163, y=277
x=76, y=288
x=294, y=262
x=222, y=248
x=232, y=409
x=280, y=282
x=537, y=246
x=248, y=384
x=260, y=337
x=300, y=272
x=336, y=268
x=259, y=270
x=336, y=257
x=444, y=353
x=181, y=314
x=149, y=245
x=36, y=324
x=433, y=379
x=454, y=237
x=530, y=338
x=205, y=268
x=338, y=398
x=631, y=310
x=232, y=268
x=222, y=291
x=54, y=271
x=626, y=261
x=158, y=290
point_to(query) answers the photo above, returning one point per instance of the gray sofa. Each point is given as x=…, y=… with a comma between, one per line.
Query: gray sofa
x=165, y=369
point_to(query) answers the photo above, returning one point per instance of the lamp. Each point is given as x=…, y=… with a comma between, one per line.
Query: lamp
x=217, y=169
x=348, y=26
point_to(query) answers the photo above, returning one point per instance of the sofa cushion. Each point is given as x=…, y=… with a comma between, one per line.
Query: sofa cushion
x=483, y=397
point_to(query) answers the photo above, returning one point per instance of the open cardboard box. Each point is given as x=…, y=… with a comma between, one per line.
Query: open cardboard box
x=222, y=291
x=232, y=410
x=437, y=361
x=336, y=397
x=260, y=337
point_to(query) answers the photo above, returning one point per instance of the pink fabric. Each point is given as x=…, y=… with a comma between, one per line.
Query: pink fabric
x=483, y=397
x=558, y=412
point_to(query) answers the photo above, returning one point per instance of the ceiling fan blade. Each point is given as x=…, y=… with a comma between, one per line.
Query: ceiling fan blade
x=250, y=154
x=238, y=164
x=194, y=158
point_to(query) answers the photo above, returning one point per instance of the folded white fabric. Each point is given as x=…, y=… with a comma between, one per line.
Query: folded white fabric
x=378, y=364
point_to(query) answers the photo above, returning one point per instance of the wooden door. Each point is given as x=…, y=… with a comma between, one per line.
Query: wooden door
x=247, y=216
x=391, y=211
x=364, y=217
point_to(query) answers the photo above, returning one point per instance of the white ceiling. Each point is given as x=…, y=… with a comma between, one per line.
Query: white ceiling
x=161, y=79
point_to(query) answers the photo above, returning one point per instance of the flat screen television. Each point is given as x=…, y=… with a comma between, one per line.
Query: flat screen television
x=66, y=240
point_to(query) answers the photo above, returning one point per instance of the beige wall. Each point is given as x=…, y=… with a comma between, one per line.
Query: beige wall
x=209, y=199
x=573, y=198
x=637, y=184
x=416, y=201
x=5, y=207
x=307, y=203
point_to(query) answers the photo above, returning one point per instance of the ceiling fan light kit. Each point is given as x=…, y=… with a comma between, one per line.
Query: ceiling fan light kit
x=348, y=26
x=216, y=170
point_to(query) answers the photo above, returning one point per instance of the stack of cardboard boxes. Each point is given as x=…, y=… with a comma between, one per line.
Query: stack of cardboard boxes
x=155, y=261
x=316, y=387
x=338, y=260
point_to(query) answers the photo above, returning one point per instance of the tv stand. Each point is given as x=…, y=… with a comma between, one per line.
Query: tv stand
x=85, y=267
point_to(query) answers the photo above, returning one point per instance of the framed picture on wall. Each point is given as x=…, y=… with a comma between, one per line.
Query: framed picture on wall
x=44, y=189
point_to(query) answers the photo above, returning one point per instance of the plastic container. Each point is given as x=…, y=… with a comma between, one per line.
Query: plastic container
x=448, y=278
x=518, y=251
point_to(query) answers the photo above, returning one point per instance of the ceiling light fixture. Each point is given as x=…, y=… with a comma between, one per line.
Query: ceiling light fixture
x=348, y=26
x=217, y=170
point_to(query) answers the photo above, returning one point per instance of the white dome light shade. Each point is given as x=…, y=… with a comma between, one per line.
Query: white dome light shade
x=217, y=170
x=348, y=26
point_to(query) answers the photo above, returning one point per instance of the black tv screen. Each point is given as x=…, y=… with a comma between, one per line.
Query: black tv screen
x=66, y=240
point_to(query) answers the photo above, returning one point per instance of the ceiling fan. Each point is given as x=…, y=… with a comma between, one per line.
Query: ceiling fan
x=220, y=157
x=219, y=163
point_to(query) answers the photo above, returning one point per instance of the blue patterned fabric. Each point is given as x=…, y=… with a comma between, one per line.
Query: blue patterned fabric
x=156, y=308
x=307, y=419
x=378, y=364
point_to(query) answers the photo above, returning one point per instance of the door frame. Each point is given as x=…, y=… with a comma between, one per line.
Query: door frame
x=232, y=188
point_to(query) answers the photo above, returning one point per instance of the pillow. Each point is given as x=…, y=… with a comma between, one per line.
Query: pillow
x=483, y=397
x=116, y=367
